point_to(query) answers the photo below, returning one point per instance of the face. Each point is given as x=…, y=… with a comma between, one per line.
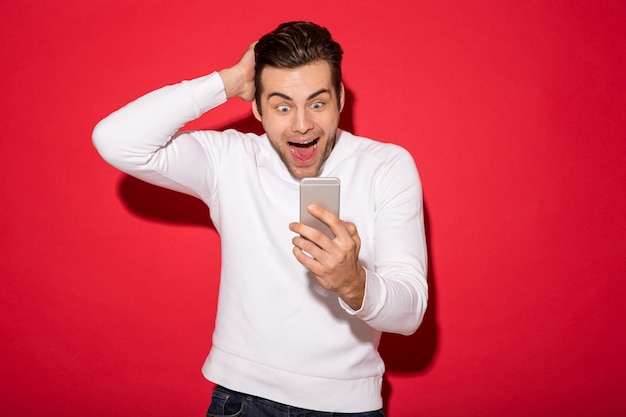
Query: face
x=300, y=113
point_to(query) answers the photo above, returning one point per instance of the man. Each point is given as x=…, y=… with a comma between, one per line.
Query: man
x=299, y=315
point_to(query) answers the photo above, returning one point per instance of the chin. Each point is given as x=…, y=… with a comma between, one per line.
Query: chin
x=299, y=173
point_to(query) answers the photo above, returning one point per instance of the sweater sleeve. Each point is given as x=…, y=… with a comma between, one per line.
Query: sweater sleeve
x=138, y=139
x=396, y=291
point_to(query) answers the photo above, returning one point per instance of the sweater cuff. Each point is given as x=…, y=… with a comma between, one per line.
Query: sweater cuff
x=373, y=299
x=206, y=92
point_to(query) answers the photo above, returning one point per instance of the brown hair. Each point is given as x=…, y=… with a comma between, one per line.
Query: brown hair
x=294, y=44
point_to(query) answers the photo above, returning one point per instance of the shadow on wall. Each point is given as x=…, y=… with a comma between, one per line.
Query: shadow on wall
x=155, y=203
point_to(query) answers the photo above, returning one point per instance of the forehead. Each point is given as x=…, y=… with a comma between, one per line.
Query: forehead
x=296, y=83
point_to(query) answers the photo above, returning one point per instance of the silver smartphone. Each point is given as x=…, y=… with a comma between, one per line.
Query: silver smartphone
x=324, y=192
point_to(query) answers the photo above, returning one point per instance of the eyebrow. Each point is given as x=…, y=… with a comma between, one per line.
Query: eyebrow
x=286, y=97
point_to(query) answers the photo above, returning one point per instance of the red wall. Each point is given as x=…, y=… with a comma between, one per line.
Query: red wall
x=513, y=110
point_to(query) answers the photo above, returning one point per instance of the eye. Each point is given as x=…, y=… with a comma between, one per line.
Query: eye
x=282, y=109
x=317, y=105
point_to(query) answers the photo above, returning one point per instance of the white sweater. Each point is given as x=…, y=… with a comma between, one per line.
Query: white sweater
x=278, y=334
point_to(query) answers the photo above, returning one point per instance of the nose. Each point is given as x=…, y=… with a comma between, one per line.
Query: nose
x=302, y=121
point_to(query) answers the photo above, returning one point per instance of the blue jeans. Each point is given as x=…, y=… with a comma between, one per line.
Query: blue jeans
x=227, y=403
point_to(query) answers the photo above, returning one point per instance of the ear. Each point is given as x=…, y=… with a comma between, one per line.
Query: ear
x=255, y=111
x=342, y=97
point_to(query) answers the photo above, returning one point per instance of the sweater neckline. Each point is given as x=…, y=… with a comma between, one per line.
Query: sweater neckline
x=276, y=164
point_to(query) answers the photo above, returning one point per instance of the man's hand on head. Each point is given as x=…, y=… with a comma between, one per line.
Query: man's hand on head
x=239, y=79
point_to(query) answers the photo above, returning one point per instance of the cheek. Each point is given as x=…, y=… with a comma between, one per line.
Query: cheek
x=329, y=122
x=274, y=132
x=276, y=126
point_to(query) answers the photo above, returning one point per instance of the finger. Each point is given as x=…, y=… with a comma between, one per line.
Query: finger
x=310, y=247
x=328, y=218
x=307, y=260
x=351, y=228
x=311, y=234
x=353, y=232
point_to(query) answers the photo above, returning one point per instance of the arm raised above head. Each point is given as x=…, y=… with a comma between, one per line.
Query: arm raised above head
x=142, y=138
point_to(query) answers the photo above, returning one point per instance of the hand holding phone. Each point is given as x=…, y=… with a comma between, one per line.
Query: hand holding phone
x=346, y=277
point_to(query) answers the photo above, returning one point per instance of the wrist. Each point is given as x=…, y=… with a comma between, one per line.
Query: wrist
x=230, y=81
x=355, y=295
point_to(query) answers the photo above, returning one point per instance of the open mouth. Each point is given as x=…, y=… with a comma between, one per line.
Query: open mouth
x=304, y=152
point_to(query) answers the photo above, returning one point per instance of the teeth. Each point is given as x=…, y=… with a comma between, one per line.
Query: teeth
x=303, y=144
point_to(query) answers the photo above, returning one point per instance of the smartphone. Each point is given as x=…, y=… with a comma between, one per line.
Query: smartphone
x=324, y=192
